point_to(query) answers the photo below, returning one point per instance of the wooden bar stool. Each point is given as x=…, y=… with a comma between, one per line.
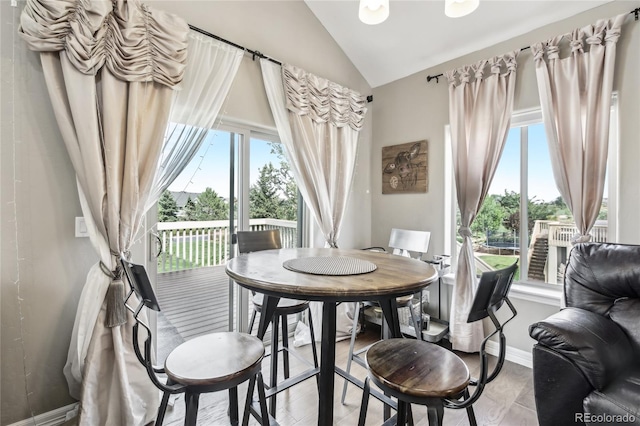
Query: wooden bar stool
x=403, y=242
x=418, y=372
x=252, y=241
x=209, y=363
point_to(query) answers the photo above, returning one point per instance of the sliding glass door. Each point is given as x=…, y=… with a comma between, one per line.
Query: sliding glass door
x=238, y=180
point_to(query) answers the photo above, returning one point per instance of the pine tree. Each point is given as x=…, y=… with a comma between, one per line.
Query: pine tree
x=210, y=206
x=263, y=195
x=167, y=208
x=190, y=209
x=288, y=190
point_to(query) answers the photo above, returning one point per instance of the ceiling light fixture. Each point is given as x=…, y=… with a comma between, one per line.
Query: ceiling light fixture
x=373, y=12
x=459, y=8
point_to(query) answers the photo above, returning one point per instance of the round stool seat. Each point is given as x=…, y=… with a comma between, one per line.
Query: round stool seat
x=290, y=306
x=417, y=368
x=215, y=359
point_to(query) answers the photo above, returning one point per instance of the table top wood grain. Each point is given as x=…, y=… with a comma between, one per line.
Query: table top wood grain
x=395, y=275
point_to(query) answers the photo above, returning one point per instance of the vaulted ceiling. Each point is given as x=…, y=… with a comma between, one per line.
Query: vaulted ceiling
x=417, y=35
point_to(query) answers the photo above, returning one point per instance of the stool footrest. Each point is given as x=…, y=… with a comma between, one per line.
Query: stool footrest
x=291, y=381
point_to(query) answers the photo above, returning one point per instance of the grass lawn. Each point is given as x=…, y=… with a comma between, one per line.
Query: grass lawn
x=499, y=262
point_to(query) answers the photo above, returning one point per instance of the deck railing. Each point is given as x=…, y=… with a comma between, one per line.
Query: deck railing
x=560, y=234
x=187, y=245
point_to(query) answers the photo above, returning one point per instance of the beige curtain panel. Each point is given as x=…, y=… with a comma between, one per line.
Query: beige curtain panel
x=480, y=108
x=318, y=123
x=325, y=120
x=575, y=96
x=110, y=67
x=212, y=66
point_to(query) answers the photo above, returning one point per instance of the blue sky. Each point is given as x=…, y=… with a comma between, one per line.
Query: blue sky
x=540, y=176
x=507, y=177
x=210, y=166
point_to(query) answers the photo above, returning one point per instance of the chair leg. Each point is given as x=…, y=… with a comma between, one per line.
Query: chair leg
x=162, y=409
x=417, y=322
x=435, y=413
x=409, y=415
x=285, y=345
x=249, y=401
x=262, y=399
x=252, y=321
x=313, y=345
x=401, y=416
x=364, y=405
x=351, y=347
x=233, y=406
x=274, y=362
x=313, y=339
x=191, y=403
x=470, y=413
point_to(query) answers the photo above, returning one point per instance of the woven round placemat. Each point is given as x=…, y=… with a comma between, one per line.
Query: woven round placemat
x=330, y=265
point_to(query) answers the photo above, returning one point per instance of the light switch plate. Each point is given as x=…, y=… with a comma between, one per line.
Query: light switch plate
x=81, y=228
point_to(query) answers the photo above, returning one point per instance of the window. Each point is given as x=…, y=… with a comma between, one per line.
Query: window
x=523, y=216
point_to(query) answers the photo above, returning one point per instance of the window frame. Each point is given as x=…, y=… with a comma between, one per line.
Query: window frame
x=546, y=293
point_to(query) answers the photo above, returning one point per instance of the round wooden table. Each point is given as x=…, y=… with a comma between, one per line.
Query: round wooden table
x=394, y=276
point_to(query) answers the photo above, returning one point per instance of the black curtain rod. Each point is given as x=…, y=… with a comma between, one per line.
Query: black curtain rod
x=254, y=53
x=635, y=12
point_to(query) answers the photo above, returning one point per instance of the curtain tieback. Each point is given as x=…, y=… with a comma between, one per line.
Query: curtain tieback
x=116, y=312
x=580, y=238
x=464, y=231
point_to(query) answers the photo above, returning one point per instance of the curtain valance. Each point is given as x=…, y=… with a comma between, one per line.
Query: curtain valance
x=135, y=42
x=322, y=100
x=498, y=65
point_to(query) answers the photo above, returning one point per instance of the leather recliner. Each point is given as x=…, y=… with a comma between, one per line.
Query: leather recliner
x=586, y=363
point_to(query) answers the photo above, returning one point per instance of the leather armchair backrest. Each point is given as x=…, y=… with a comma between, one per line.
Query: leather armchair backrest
x=598, y=274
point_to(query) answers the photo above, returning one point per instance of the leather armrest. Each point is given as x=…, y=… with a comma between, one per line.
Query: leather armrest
x=597, y=345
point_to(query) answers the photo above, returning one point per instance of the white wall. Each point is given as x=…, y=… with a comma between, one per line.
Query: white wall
x=411, y=109
x=46, y=265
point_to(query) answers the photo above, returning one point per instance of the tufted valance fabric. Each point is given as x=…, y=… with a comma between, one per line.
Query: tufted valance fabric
x=498, y=65
x=603, y=32
x=135, y=42
x=322, y=100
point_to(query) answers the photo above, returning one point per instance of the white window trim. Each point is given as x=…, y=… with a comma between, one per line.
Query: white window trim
x=544, y=293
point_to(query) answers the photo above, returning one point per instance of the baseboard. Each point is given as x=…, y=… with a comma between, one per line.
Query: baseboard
x=518, y=356
x=52, y=418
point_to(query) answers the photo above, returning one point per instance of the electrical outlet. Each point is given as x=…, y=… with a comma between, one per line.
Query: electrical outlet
x=81, y=228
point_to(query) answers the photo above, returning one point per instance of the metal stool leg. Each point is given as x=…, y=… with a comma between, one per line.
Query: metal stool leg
x=263, y=401
x=364, y=405
x=191, y=402
x=470, y=413
x=247, y=405
x=435, y=414
x=274, y=362
x=401, y=415
x=351, y=346
x=252, y=320
x=233, y=406
x=285, y=345
x=416, y=322
x=313, y=339
x=163, y=408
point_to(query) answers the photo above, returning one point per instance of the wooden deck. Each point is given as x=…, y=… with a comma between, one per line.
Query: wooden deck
x=195, y=301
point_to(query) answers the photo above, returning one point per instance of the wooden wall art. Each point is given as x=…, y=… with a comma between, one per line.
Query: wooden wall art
x=404, y=168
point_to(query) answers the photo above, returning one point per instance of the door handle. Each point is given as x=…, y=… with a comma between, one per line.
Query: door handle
x=158, y=242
